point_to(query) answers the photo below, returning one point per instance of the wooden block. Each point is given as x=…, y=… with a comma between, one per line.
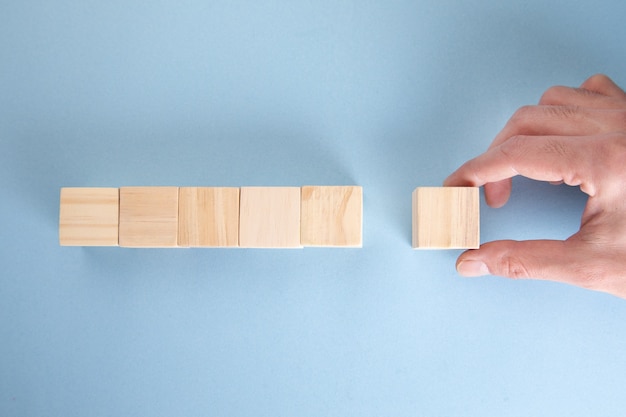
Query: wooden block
x=208, y=217
x=446, y=218
x=88, y=216
x=331, y=216
x=148, y=217
x=269, y=217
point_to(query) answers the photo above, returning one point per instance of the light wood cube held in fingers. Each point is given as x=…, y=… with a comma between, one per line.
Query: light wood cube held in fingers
x=208, y=217
x=148, y=217
x=269, y=217
x=88, y=217
x=332, y=216
x=446, y=218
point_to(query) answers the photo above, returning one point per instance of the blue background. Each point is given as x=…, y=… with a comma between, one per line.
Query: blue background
x=388, y=95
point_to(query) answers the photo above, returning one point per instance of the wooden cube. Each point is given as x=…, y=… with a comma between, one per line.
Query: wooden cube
x=269, y=217
x=89, y=217
x=208, y=217
x=446, y=218
x=331, y=216
x=148, y=217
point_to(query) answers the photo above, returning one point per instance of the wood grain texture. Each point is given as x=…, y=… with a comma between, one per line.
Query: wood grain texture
x=148, y=217
x=88, y=217
x=208, y=217
x=446, y=218
x=332, y=216
x=269, y=217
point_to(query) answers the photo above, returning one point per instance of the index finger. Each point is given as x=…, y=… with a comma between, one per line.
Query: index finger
x=543, y=158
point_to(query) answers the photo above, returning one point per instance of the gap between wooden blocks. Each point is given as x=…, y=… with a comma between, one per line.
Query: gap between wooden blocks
x=446, y=218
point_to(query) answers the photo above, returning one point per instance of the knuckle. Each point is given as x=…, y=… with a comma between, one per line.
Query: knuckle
x=552, y=95
x=522, y=114
x=598, y=81
x=512, y=267
x=522, y=119
x=511, y=149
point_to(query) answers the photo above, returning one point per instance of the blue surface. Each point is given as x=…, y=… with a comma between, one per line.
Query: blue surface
x=389, y=95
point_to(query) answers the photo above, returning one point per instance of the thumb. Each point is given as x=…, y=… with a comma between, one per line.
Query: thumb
x=530, y=259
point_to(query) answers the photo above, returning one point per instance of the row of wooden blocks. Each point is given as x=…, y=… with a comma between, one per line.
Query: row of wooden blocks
x=255, y=217
x=249, y=217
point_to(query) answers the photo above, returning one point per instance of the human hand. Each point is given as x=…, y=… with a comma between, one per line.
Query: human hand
x=576, y=136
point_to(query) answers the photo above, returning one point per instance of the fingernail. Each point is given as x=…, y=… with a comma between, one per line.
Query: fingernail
x=472, y=269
